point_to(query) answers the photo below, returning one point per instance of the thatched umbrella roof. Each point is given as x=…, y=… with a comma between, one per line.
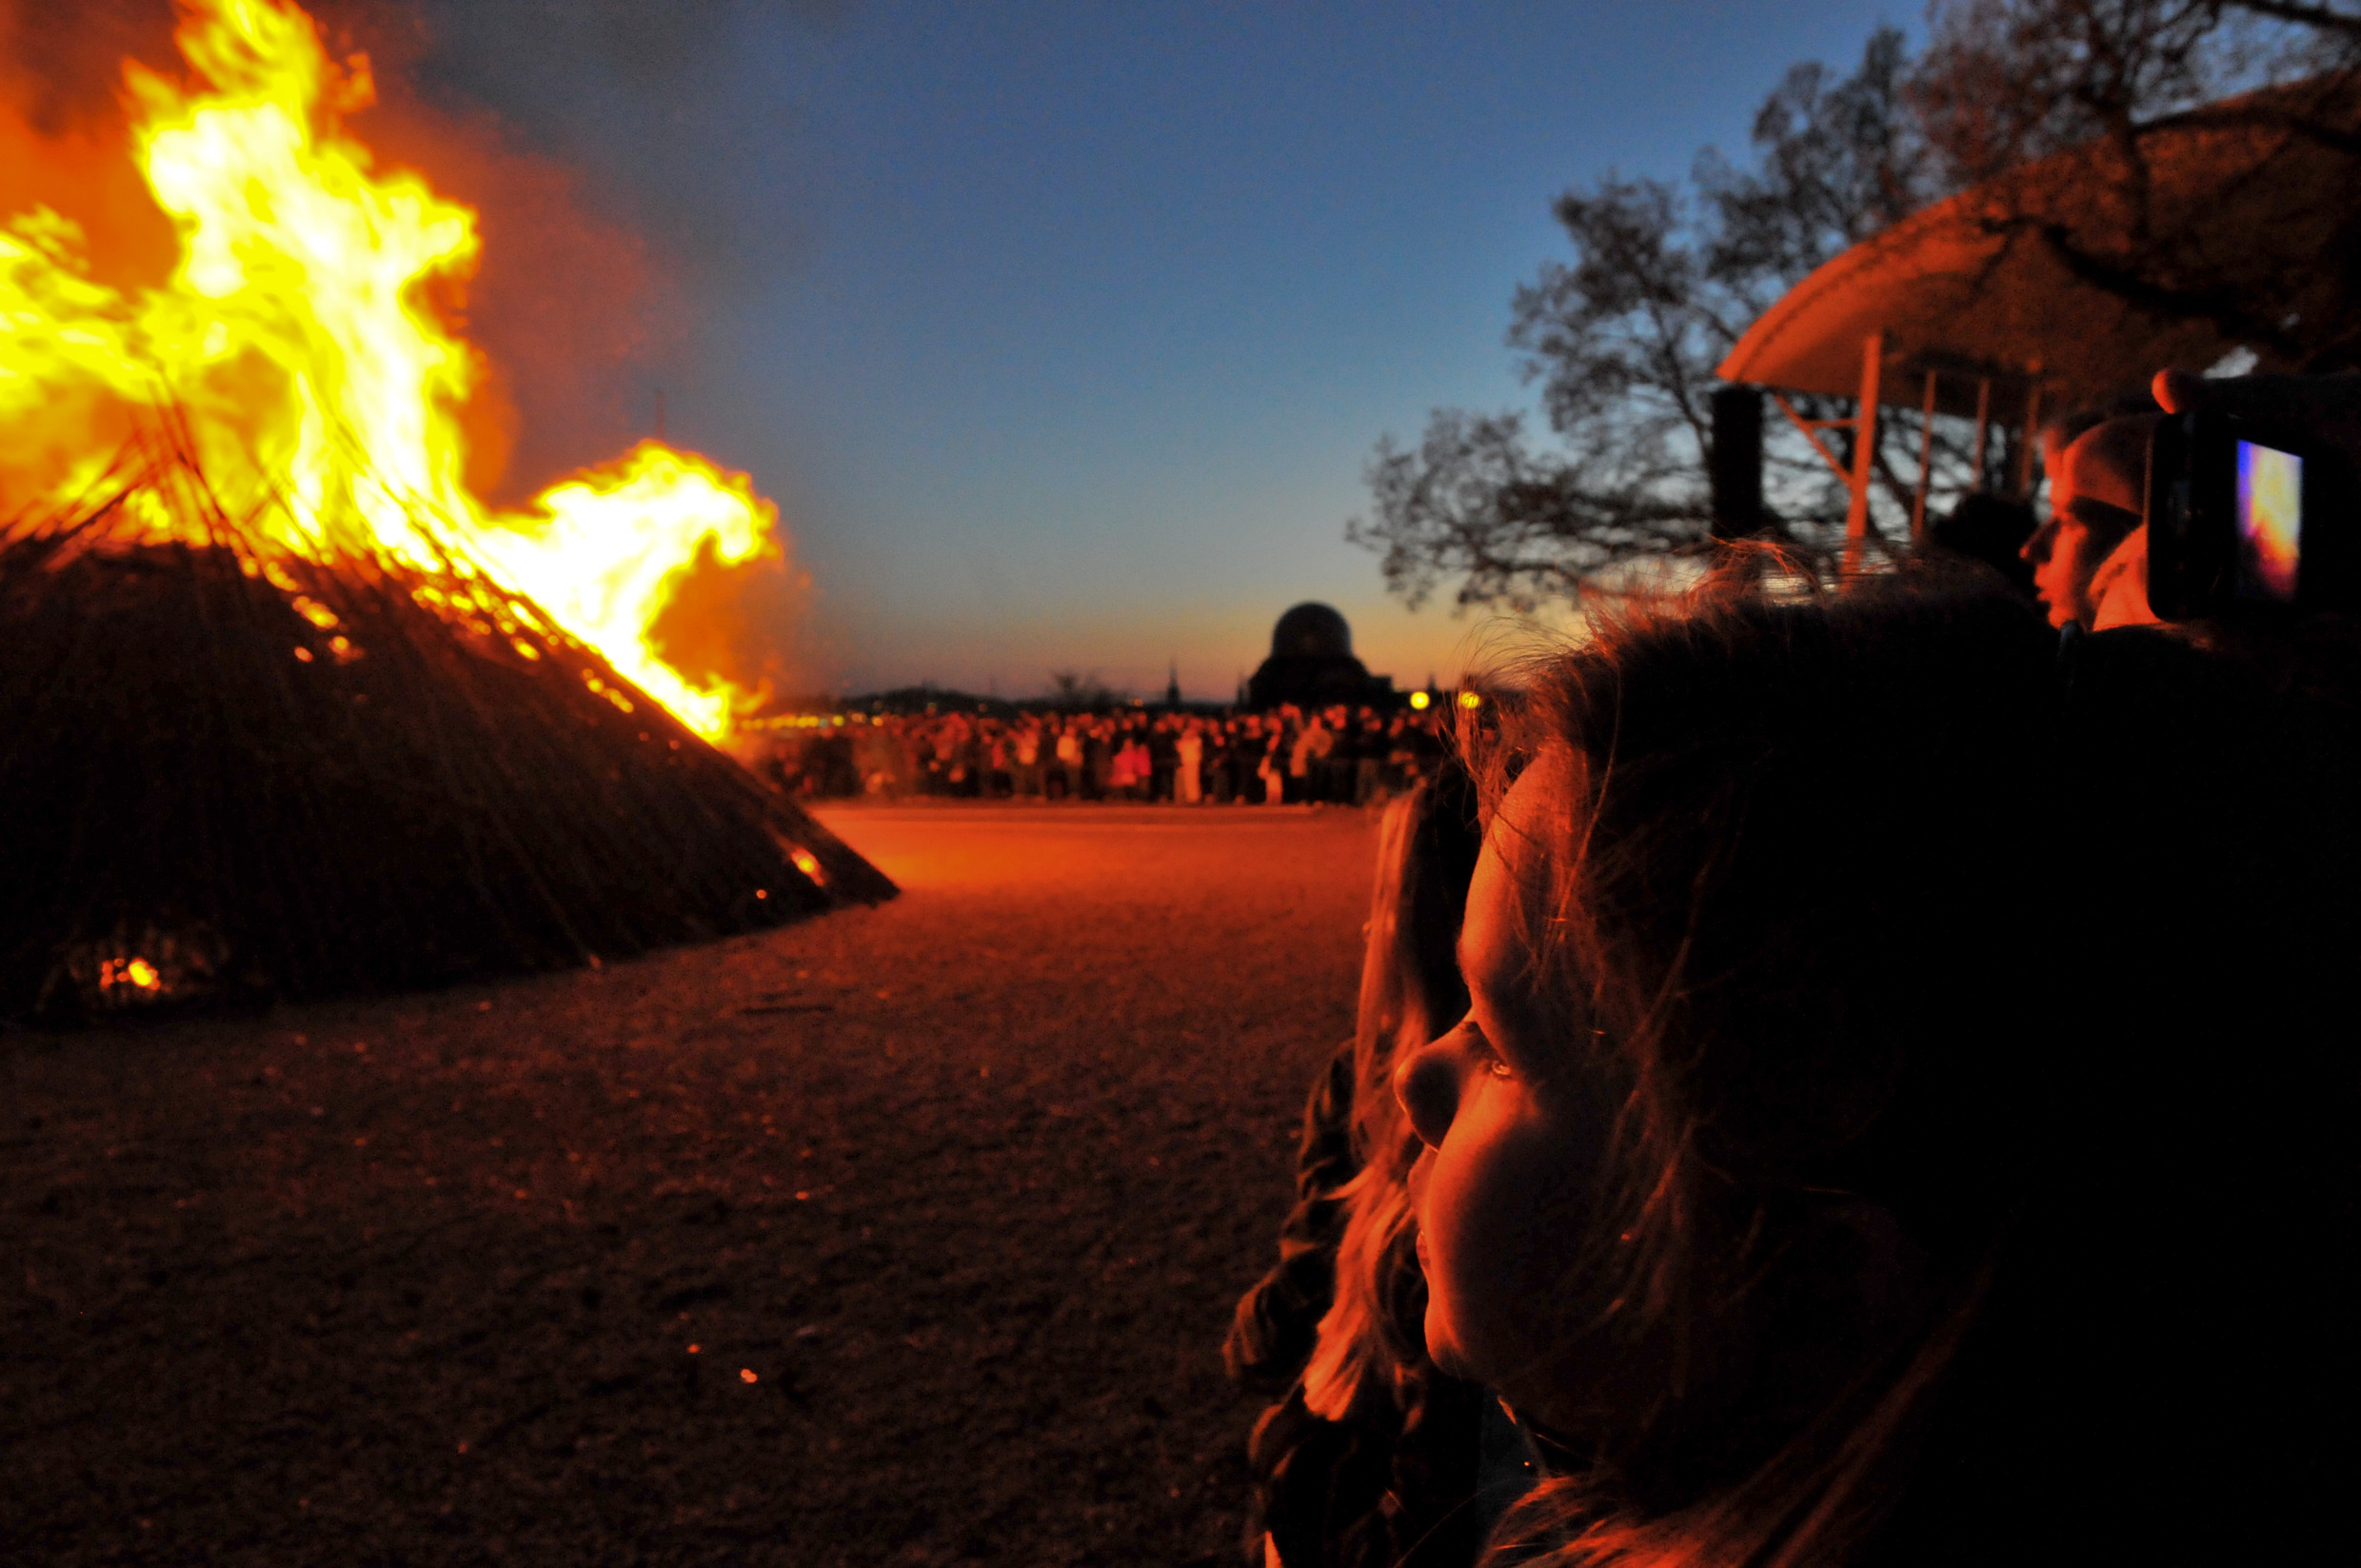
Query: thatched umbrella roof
x=2088, y=271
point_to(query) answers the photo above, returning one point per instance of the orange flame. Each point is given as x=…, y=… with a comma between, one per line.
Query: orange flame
x=320, y=385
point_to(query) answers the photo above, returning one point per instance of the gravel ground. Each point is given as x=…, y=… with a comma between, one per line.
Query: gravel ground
x=905, y=1236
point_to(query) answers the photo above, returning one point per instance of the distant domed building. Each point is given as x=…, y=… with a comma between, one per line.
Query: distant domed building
x=1312, y=665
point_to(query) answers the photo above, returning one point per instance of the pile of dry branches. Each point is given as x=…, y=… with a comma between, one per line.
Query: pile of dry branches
x=229, y=771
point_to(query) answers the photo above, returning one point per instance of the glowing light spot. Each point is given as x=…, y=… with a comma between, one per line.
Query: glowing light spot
x=809, y=863
x=693, y=1349
x=1420, y=700
x=303, y=653
x=137, y=972
x=1470, y=699
x=745, y=1375
x=762, y=893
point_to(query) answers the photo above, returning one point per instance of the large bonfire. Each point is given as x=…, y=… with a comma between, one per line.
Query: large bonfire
x=286, y=707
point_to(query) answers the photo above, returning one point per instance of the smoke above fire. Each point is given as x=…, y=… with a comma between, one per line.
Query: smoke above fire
x=369, y=303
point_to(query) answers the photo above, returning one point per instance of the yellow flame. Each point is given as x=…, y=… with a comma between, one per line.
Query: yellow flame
x=296, y=332
x=633, y=516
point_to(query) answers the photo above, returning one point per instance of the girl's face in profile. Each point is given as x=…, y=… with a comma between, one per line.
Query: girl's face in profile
x=1513, y=1136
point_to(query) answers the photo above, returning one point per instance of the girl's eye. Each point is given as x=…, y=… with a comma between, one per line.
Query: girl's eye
x=1486, y=1058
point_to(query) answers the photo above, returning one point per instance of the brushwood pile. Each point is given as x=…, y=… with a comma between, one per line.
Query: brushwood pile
x=231, y=772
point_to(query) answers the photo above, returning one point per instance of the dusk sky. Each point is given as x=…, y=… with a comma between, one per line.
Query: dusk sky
x=1062, y=332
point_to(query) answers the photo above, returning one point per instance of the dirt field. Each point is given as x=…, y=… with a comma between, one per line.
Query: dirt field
x=905, y=1236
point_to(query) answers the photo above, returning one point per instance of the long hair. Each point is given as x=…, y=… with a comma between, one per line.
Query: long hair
x=1918, y=945
x=1372, y=1335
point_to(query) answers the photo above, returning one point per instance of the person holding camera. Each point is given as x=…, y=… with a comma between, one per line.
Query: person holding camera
x=2251, y=467
x=2098, y=468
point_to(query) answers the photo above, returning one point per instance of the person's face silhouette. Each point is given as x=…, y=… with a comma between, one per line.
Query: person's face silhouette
x=1514, y=1132
x=2096, y=489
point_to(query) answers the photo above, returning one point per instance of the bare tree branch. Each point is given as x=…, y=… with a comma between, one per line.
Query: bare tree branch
x=1623, y=341
x=2328, y=18
x=1620, y=339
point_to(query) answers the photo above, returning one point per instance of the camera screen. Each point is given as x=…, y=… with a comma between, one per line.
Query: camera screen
x=2271, y=521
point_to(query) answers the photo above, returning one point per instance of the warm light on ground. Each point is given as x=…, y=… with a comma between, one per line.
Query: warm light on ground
x=1011, y=1265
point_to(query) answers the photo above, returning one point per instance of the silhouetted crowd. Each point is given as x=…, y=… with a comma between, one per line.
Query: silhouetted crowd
x=1335, y=756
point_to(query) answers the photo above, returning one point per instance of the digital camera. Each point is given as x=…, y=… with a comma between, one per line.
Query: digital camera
x=2242, y=521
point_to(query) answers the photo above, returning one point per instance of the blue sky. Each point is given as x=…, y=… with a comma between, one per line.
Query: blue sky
x=1062, y=332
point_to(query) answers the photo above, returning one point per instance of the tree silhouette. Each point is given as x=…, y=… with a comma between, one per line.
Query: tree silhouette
x=2071, y=100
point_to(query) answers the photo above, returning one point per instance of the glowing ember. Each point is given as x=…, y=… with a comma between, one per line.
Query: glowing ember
x=137, y=972
x=320, y=386
x=809, y=865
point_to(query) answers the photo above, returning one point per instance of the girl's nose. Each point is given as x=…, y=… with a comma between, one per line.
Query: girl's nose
x=1427, y=1084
